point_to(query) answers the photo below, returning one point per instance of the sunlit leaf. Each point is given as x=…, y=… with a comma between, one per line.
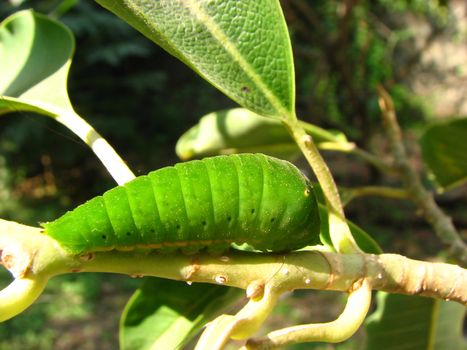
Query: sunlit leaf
x=35, y=56
x=236, y=131
x=239, y=130
x=240, y=47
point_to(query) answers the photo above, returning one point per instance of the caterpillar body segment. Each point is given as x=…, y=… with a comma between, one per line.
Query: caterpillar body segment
x=244, y=198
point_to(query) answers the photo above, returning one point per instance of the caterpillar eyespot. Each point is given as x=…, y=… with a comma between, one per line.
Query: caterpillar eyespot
x=244, y=198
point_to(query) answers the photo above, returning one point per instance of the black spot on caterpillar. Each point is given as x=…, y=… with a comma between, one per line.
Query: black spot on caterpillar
x=244, y=198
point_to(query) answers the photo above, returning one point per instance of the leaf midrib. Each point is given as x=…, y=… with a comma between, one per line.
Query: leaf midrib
x=218, y=34
x=223, y=40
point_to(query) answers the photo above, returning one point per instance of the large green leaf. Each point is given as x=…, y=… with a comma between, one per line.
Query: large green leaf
x=165, y=314
x=445, y=152
x=240, y=47
x=239, y=130
x=416, y=323
x=35, y=56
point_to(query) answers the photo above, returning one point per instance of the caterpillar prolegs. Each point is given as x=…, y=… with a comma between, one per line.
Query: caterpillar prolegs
x=244, y=198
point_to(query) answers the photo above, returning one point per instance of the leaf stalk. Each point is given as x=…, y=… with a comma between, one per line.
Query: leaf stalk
x=341, y=236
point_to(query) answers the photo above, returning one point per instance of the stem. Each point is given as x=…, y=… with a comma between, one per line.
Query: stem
x=69, y=118
x=324, y=134
x=300, y=270
x=217, y=333
x=341, y=237
x=374, y=160
x=19, y=295
x=104, y=151
x=244, y=324
x=34, y=258
x=441, y=223
x=336, y=331
x=383, y=191
x=253, y=314
x=335, y=143
x=336, y=146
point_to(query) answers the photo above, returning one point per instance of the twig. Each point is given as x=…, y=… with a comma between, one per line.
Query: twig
x=31, y=255
x=441, y=223
x=337, y=331
x=334, y=143
x=341, y=236
x=382, y=191
x=111, y=160
x=373, y=160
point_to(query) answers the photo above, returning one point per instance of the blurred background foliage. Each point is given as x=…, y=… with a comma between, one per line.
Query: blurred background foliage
x=141, y=100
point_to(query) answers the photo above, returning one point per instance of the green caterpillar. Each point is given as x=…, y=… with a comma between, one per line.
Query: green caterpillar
x=245, y=198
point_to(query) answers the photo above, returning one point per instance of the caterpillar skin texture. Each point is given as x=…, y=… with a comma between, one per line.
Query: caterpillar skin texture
x=246, y=198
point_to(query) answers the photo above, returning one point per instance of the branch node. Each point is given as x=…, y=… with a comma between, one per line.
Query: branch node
x=17, y=261
x=307, y=140
x=192, y=269
x=87, y=257
x=221, y=279
x=255, y=290
x=224, y=258
x=356, y=285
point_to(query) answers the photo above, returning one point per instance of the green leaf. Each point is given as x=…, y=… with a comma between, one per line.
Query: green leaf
x=444, y=151
x=239, y=130
x=235, y=131
x=165, y=314
x=415, y=323
x=35, y=57
x=240, y=47
x=363, y=239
